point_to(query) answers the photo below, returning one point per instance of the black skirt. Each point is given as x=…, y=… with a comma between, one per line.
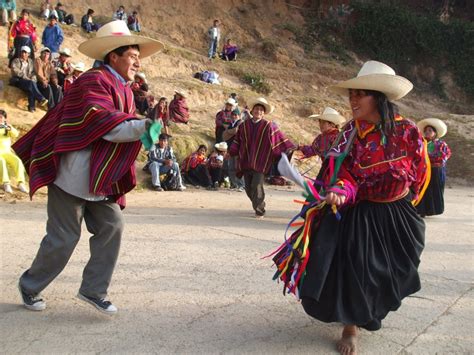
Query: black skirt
x=362, y=266
x=432, y=202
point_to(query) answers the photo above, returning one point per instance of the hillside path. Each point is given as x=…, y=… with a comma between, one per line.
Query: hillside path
x=190, y=279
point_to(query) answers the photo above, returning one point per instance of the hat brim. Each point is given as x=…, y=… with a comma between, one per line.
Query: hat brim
x=181, y=93
x=97, y=48
x=393, y=86
x=436, y=123
x=268, y=108
x=330, y=117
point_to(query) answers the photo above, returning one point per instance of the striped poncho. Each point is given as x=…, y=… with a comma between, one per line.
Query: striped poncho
x=257, y=144
x=95, y=104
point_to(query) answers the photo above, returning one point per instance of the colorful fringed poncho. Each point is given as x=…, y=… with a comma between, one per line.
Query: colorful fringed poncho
x=363, y=164
x=257, y=144
x=321, y=144
x=439, y=153
x=94, y=105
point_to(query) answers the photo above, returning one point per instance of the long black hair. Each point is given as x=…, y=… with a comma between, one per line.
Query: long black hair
x=387, y=110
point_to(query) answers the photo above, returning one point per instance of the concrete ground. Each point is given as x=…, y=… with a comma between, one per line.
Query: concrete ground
x=190, y=279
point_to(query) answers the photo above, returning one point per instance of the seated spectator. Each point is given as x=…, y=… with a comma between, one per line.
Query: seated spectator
x=8, y=158
x=216, y=163
x=223, y=118
x=43, y=70
x=178, y=108
x=120, y=14
x=210, y=77
x=53, y=35
x=228, y=135
x=63, y=16
x=163, y=166
x=134, y=22
x=22, y=33
x=8, y=9
x=229, y=51
x=160, y=113
x=46, y=10
x=62, y=65
x=194, y=169
x=140, y=92
x=77, y=70
x=87, y=22
x=23, y=77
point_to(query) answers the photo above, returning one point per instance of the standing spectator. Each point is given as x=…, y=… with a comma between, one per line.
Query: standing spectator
x=53, y=35
x=160, y=114
x=223, y=118
x=258, y=143
x=87, y=22
x=22, y=33
x=62, y=65
x=178, y=108
x=8, y=158
x=229, y=51
x=140, y=92
x=194, y=168
x=162, y=161
x=84, y=151
x=134, y=22
x=43, y=70
x=433, y=130
x=214, y=35
x=63, y=16
x=8, y=9
x=23, y=77
x=232, y=161
x=77, y=70
x=120, y=14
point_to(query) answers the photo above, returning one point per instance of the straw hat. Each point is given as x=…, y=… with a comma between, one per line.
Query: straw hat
x=25, y=49
x=45, y=49
x=181, y=92
x=116, y=34
x=436, y=123
x=261, y=101
x=331, y=115
x=222, y=146
x=65, y=51
x=142, y=76
x=81, y=67
x=376, y=76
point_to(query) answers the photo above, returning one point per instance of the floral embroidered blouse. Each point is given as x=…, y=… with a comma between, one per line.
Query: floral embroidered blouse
x=320, y=145
x=381, y=169
x=22, y=28
x=438, y=152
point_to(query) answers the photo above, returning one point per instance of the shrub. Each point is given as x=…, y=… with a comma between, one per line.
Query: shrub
x=257, y=82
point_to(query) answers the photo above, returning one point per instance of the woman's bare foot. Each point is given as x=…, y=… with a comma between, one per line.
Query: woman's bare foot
x=348, y=343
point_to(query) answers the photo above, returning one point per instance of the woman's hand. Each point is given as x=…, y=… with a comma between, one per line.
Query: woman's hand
x=333, y=198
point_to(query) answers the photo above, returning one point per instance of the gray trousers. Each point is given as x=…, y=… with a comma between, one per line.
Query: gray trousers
x=254, y=189
x=235, y=181
x=104, y=221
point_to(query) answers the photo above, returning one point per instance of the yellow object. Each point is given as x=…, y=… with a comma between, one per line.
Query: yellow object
x=8, y=158
x=428, y=175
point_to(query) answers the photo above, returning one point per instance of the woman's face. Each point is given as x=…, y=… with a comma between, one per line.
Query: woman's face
x=25, y=16
x=202, y=151
x=162, y=104
x=325, y=126
x=429, y=133
x=364, y=107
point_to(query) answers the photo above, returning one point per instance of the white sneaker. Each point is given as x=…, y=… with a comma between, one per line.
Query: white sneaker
x=32, y=302
x=182, y=188
x=8, y=188
x=101, y=304
x=22, y=188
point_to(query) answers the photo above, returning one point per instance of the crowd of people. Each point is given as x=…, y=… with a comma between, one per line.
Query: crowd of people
x=359, y=216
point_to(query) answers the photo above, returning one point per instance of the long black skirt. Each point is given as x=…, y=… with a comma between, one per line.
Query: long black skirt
x=361, y=267
x=432, y=202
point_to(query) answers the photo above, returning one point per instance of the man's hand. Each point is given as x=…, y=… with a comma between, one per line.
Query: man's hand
x=333, y=198
x=168, y=162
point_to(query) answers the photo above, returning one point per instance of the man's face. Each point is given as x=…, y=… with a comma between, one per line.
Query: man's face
x=63, y=58
x=24, y=55
x=53, y=21
x=127, y=65
x=163, y=143
x=228, y=107
x=258, y=112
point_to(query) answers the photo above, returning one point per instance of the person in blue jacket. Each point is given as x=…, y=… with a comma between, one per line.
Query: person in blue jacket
x=53, y=35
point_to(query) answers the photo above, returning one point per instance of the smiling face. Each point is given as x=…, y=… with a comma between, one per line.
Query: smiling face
x=45, y=55
x=325, y=126
x=429, y=133
x=163, y=143
x=202, y=151
x=127, y=64
x=258, y=112
x=364, y=107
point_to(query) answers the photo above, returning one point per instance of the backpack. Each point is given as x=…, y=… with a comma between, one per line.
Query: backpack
x=170, y=183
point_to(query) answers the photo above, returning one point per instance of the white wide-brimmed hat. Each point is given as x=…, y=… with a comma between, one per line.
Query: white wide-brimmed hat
x=436, y=123
x=231, y=101
x=81, y=67
x=222, y=146
x=45, y=49
x=331, y=115
x=376, y=76
x=142, y=76
x=25, y=49
x=261, y=101
x=65, y=51
x=116, y=34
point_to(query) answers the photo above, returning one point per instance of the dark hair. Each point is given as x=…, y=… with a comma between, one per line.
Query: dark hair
x=202, y=146
x=135, y=12
x=3, y=113
x=120, y=51
x=387, y=110
x=90, y=12
x=163, y=136
x=25, y=11
x=434, y=129
x=59, y=4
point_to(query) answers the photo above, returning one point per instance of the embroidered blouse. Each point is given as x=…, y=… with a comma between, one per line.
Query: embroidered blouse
x=438, y=152
x=320, y=145
x=381, y=169
x=192, y=161
x=22, y=28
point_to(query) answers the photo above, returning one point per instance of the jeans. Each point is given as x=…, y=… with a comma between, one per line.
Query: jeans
x=135, y=27
x=28, y=86
x=212, y=48
x=157, y=169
